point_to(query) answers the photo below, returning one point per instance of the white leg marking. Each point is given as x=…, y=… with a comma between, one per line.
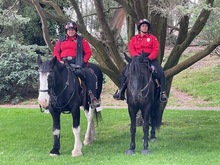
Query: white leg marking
x=56, y=132
x=77, y=150
x=90, y=133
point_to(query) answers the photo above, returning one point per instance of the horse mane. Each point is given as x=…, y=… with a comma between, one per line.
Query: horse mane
x=134, y=67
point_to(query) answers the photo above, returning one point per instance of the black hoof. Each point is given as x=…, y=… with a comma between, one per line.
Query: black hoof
x=130, y=152
x=54, y=152
x=146, y=152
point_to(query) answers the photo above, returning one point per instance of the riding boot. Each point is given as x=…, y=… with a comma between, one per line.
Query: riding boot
x=120, y=93
x=94, y=102
x=163, y=96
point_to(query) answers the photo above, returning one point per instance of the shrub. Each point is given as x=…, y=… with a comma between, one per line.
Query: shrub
x=18, y=71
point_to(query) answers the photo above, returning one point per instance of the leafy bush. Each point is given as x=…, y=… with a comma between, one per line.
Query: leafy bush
x=18, y=71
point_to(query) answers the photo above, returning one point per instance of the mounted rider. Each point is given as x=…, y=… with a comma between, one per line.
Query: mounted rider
x=147, y=43
x=75, y=50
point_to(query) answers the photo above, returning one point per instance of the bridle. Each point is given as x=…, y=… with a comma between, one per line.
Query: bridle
x=145, y=66
x=51, y=92
x=67, y=83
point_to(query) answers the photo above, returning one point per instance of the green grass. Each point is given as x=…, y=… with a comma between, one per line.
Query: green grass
x=186, y=137
x=202, y=83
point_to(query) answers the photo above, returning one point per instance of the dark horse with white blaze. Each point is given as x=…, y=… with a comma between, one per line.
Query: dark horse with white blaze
x=142, y=94
x=61, y=91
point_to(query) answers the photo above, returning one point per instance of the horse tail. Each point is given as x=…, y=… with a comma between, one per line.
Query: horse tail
x=98, y=117
x=156, y=112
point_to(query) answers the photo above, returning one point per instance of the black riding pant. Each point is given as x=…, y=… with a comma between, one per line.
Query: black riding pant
x=86, y=75
x=90, y=80
x=159, y=70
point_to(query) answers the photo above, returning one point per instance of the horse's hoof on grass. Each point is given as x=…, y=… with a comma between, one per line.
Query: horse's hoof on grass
x=76, y=153
x=130, y=152
x=54, y=155
x=153, y=139
x=87, y=142
x=54, y=152
x=146, y=152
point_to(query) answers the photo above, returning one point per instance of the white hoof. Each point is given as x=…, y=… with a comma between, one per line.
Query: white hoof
x=76, y=153
x=87, y=142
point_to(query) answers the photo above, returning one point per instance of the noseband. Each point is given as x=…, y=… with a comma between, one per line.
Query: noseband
x=45, y=90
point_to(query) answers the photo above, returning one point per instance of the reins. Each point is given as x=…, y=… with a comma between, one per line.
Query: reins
x=149, y=81
x=146, y=87
x=55, y=97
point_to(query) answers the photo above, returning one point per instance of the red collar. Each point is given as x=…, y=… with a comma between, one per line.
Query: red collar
x=144, y=36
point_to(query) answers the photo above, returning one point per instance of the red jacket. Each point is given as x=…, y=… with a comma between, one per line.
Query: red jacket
x=148, y=43
x=68, y=48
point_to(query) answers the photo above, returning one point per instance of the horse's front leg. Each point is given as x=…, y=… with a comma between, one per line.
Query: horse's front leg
x=90, y=132
x=145, y=115
x=132, y=115
x=56, y=133
x=77, y=150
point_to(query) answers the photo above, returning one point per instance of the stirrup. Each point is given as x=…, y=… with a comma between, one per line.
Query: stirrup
x=95, y=103
x=118, y=95
x=163, y=97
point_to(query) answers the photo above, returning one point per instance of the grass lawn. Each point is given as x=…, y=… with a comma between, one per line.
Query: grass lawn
x=186, y=137
x=201, y=83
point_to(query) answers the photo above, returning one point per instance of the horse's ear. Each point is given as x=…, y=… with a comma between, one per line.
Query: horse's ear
x=128, y=59
x=39, y=60
x=53, y=61
x=141, y=57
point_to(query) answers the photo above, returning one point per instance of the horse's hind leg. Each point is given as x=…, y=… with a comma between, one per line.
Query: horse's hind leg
x=77, y=150
x=90, y=132
x=153, y=133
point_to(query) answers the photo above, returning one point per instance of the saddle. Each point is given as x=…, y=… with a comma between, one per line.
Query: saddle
x=77, y=69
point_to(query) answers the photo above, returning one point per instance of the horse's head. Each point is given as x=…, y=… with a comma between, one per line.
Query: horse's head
x=44, y=72
x=138, y=77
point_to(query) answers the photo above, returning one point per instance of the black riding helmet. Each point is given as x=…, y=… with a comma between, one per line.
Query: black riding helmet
x=71, y=25
x=143, y=21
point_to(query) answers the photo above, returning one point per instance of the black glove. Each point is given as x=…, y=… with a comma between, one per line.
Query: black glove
x=146, y=60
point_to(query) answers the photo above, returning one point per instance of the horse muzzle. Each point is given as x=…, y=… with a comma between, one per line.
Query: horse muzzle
x=43, y=99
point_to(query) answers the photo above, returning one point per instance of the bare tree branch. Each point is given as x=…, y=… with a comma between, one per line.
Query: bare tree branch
x=113, y=51
x=106, y=11
x=54, y=5
x=128, y=8
x=192, y=60
x=196, y=29
x=44, y=24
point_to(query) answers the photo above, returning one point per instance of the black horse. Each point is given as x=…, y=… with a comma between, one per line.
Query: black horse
x=61, y=91
x=142, y=94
